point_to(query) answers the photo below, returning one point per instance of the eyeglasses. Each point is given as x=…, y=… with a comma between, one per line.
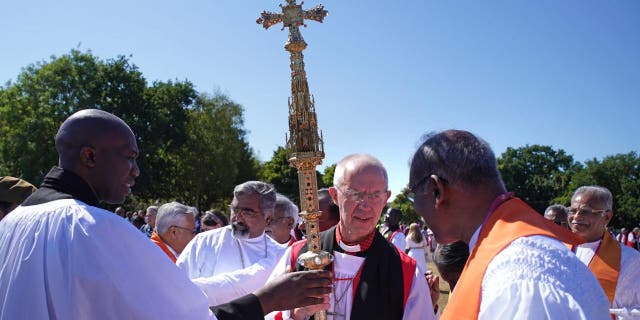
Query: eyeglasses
x=587, y=212
x=411, y=190
x=194, y=230
x=245, y=212
x=355, y=196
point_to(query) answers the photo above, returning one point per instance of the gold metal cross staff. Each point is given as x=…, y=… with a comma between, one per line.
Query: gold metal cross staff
x=305, y=145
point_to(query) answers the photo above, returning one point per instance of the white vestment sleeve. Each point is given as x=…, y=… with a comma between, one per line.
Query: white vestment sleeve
x=225, y=287
x=419, y=304
x=399, y=241
x=188, y=260
x=628, y=288
x=539, y=278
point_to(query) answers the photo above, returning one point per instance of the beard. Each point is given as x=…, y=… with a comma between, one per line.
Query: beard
x=240, y=230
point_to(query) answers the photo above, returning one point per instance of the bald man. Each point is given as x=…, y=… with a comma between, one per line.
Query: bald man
x=66, y=258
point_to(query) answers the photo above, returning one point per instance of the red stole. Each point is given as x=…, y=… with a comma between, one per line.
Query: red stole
x=513, y=219
x=156, y=239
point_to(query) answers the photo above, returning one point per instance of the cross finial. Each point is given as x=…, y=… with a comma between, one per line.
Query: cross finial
x=292, y=17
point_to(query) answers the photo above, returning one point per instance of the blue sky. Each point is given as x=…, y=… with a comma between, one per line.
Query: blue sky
x=564, y=73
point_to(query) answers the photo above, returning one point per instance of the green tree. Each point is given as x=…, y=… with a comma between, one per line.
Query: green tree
x=402, y=202
x=621, y=175
x=327, y=175
x=536, y=173
x=278, y=172
x=213, y=153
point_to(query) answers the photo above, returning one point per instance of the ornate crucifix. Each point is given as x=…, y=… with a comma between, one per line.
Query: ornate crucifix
x=305, y=145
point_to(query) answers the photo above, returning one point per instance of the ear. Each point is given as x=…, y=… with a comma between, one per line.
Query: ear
x=88, y=156
x=267, y=220
x=438, y=189
x=334, y=194
x=608, y=216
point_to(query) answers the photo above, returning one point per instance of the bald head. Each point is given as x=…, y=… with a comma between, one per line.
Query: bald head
x=101, y=149
x=354, y=163
x=86, y=128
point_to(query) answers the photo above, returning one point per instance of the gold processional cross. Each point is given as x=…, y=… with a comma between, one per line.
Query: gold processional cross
x=304, y=144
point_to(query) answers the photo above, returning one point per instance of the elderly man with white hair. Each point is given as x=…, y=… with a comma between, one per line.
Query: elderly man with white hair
x=614, y=265
x=175, y=227
x=230, y=262
x=284, y=219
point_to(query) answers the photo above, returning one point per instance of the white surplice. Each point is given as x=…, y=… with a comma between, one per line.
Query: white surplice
x=65, y=259
x=538, y=277
x=627, y=294
x=225, y=267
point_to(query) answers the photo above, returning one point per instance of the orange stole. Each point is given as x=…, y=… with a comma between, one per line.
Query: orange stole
x=605, y=265
x=513, y=219
x=156, y=239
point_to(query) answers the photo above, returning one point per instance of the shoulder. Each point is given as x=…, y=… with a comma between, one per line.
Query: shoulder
x=630, y=260
x=535, y=268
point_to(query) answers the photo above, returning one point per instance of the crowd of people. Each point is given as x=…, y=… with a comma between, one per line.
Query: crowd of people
x=66, y=258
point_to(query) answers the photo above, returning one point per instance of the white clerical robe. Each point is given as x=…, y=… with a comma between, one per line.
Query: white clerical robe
x=225, y=267
x=65, y=259
x=627, y=294
x=346, y=266
x=538, y=277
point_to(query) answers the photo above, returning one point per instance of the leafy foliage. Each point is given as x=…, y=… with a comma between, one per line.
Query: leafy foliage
x=278, y=172
x=621, y=175
x=193, y=147
x=536, y=173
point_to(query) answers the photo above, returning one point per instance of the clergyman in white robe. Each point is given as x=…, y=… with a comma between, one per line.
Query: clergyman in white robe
x=225, y=267
x=65, y=259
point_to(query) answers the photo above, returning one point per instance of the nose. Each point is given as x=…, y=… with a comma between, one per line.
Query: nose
x=135, y=171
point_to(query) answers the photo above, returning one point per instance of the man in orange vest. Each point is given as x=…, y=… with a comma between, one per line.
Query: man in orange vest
x=175, y=227
x=518, y=266
x=614, y=265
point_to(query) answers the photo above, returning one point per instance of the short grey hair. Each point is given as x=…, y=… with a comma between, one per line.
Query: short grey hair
x=152, y=210
x=266, y=191
x=360, y=159
x=170, y=214
x=458, y=156
x=288, y=208
x=557, y=208
x=600, y=194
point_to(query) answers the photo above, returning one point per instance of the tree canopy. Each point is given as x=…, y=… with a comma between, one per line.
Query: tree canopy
x=193, y=146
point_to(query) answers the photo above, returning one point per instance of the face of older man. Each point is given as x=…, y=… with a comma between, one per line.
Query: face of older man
x=587, y=217
x=279, y=227
x=361, y=198
x=247, y=219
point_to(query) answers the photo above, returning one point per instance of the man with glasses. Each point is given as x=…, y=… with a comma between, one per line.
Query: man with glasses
x=614, y=265
x=230, y=262
x=372, y=278
x=175, y=227
x=558, y=214
x=518, y=267
x=285, y=217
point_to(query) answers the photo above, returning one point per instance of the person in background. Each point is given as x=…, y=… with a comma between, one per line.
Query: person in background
x=175, y=227
x=416, y=245
x=284, y=218
x=616, y=266
x=12, y=192
x=558, y=214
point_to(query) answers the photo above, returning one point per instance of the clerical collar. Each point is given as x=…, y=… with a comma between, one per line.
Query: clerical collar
x=62, y=184
x=353, y=248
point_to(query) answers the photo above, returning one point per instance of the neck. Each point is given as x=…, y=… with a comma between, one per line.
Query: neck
x=476, y=209
x=348, y=238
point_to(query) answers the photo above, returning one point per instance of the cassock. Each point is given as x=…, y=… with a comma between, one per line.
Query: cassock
x=396, y=236
x=627, y=288
x=65, y=258
x=352, y=282
x=225, y=267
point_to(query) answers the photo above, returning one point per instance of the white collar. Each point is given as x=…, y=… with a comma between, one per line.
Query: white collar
x=474, y=239
x=348, y=248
